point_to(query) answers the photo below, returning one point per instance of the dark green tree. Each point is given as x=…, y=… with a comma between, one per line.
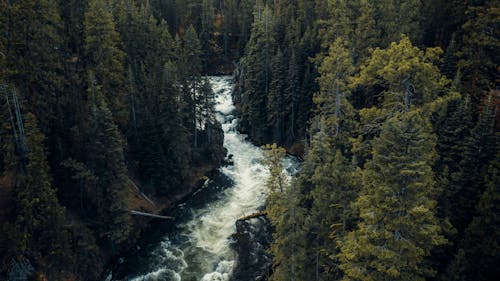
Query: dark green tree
x=31, y=52
x=189, y=67
x=276, y=111
x=106, y=161
x=105, y=57
x=257, y=76
x=478, y=254
x=478, y=56
x=395, y=18
x=39, y=216
x=478, y=150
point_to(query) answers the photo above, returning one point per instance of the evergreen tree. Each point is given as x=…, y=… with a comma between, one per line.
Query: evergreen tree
x=479, y=56
x=366, y=34
x=332, y=103
x=479, y=148
x=407, y=73
x=395, y=18
x=157, y=136
x=292, y=93
x=341, y=22
x=258, y=74
x=39, y=216
x=189, y=67
x=478, y=255
x=395, y=80
x=331, y=215
x=276, y=101
x=106, y=161
x=105, y=57
x=336, y=185
x=288, y=218
x=31, y=51
x=207, y=30
x=397, y=206
x=453, y=133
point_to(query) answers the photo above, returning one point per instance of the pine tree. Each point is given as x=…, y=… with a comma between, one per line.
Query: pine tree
x=366, y=34
x=453, y=132
x=257, y=81
x=397, y=18
x=106, y=161
x=478, y=254
x=31, y=51
x=207, y=30
x=332, y=104
x=397, y=206
x=175, y=136
x=190, y=67
x=341, y=22
x=334, y=179
x=105, y=57
x=39, y=216
x=276, y=101
x=478, y=150
x=292, y=93
x=479, y=56
x=397, y=79
x=336, y=185
x=288, y=218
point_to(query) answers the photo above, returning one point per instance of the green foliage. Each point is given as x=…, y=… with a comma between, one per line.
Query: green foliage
x=288, y=218
x=105, y=56
x=408, y=74
x=106, y=161
x=336, y=186
x=276, y=100
x=283, y=29
x=334, y=109
x=257, y=78
x=40, y=218
x=112, y=95
x=397, y=18
x=453, y=131
x=398, y=227
x=31, y=54
x=478, y=254
x=478, y=149
x=478, y=54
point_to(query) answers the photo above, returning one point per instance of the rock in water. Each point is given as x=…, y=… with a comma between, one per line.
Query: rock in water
x=251, y=241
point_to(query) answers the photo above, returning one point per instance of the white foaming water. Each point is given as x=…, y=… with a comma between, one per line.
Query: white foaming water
x=207, y=255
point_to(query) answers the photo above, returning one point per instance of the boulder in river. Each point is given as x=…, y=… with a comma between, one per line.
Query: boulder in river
x=251, y=241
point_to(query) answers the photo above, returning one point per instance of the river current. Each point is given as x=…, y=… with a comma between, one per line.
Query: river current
x=196, y=246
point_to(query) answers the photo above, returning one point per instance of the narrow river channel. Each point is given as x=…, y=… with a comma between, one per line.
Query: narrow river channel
x=197, y=244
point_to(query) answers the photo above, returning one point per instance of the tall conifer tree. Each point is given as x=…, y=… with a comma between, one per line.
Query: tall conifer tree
x=398, y=227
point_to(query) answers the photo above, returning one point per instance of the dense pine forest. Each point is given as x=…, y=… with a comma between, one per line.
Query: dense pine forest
x=391, y=104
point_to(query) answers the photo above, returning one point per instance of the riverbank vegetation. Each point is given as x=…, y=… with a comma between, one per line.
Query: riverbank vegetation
x=400, y=178
x=104, y=110
x=393, y=105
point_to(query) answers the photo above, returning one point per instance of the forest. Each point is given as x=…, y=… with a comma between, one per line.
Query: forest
x=391, y=105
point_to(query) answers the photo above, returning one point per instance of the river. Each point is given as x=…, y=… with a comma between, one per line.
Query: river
x=196, y=246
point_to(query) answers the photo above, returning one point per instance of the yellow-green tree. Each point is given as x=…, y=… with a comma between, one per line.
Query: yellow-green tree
x=398, y=227
x=288, y=218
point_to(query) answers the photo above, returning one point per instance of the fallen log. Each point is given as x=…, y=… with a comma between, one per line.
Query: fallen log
x=140, y=193
x=138, y=213
x=254, y=215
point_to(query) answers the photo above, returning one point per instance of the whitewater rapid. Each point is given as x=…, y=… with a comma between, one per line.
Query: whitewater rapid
x=201, y=247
